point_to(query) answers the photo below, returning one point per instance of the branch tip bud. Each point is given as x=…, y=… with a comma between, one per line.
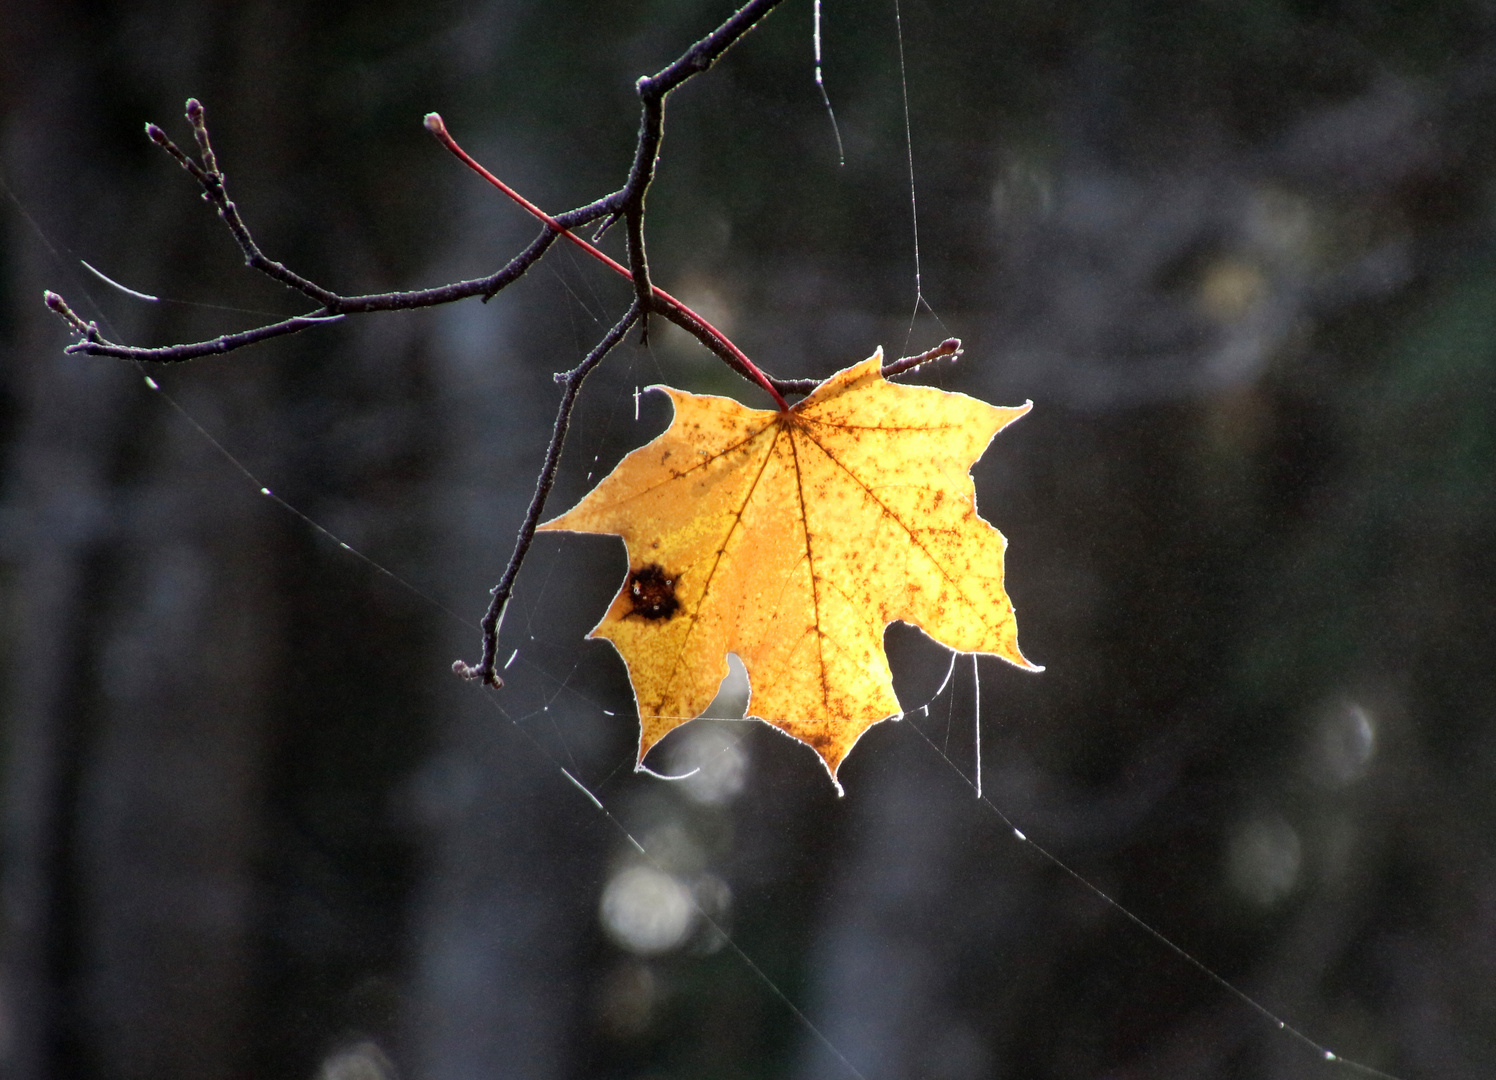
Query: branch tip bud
x=60, y=306
x=433, y=122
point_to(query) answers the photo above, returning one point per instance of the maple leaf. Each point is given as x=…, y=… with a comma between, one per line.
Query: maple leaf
x=793, y=539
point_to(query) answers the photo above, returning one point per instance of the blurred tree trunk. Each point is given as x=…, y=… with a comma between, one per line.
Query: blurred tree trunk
x=144, y=627
x=153, y=716
x=508, y=898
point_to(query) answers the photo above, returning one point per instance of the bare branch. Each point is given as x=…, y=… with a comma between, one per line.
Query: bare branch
x=572, y=381
x=71, y=317
x=626, y=203
x=652, y=90
x=333, y=311
x=167, y=354
x=211, y=180
x=949, y=347
x=708, y=50
x=676, y=310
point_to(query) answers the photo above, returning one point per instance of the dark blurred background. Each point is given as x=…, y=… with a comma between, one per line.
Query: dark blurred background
x=1241, y=254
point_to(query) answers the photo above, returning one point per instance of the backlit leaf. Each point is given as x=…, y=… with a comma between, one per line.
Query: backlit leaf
x=793, y=540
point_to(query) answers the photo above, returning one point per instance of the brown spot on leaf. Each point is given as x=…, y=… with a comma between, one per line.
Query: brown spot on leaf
x=652, y=592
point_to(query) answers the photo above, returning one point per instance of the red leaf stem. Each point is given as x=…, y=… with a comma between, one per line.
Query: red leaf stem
x=435, y=125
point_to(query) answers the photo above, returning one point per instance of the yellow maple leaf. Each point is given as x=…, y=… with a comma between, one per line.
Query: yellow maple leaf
x=793, y=539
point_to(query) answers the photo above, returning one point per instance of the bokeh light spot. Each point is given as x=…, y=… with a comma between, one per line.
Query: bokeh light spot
x=1346, y=743
x=1265, y=859
x=646, y=911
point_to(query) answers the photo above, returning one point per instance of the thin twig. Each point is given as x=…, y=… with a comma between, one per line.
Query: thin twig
x=572, y=381
x=652, y=90
x=72, y=318
x=677, y=311
x=215, y=191
x=949, y=347
x=333, y=305
x=706, y=52
x=166, y=354
x=627, y=203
